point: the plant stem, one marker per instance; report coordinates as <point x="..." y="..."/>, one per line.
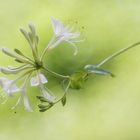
<point x="55" y="74"/>
<point x="117" y="54"/>
<point x="66" y="90"/>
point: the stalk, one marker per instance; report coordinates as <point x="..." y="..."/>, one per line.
<point x="55" y="74"/>
<point x="117" y="54"/>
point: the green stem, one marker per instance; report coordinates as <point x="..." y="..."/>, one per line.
<point x="66" y="90"/>
<point x="55" y="74"/>
<point x="116" y="54"/>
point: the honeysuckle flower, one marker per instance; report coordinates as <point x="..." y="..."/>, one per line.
<point x="47" y="94"/>
<point x="34" y="64"/>
<point x="8" y="86"/>
<point x="23" y="96"/>
<point x="39" y="80"/>
<point x="11" y="70"/>
<point x="29" y="66"/>
<point x="62" y="34"/>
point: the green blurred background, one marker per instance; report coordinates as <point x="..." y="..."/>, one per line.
<point x="106" y="108"/>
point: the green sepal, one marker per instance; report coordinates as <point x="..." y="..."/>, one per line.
<point x="41" y="98"/>
<point x="63" y="100"/>
<point x="93" y="69"/>
<point x="44" y="108"/>
<point x="41" y="106"/>
<point x="18" y="52"/>
<point x="77" y="79"/>
<point x="18" y="61"/>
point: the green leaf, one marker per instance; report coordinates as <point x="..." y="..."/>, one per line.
<point x="63" y="101"/>
<point x="93" y="69"/>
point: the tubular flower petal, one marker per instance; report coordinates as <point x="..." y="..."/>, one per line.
<point x="38" y="79"/>
<point x="62" y="33"/>
<point x="8" y="86"/>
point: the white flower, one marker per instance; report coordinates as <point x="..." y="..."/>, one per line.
<point x="11" y="70"/>
<point x="23" y="97"/>
<point x="46" y="93"/>
<point x="8" y="86"/>
<point x="62" y="33"/>
<point x="40" y="80"/>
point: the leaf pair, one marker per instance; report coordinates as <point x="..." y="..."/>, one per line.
<point x="93" y="69"/>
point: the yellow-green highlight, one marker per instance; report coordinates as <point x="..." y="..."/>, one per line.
<point x="106" y="108"/>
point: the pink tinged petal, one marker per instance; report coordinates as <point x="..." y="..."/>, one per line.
<point x="38" y="79"/>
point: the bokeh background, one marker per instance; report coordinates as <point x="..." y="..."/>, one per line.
<point x="105" y="108"/>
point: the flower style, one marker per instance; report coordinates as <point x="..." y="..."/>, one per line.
<point x="33" y="66"/>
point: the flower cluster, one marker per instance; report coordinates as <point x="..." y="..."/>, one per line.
<point x="30" y="67"/>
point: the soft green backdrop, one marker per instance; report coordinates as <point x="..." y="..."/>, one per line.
<point x="106" y="108"/>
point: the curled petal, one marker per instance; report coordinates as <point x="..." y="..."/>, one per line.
<point x="62" y="33"/>
<point x="74" y="46"/>
<point x="12" y="71"/>
<point x="38" y="79"/>
<point x="8" y="86"/>
<point x="46" y="93"/>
